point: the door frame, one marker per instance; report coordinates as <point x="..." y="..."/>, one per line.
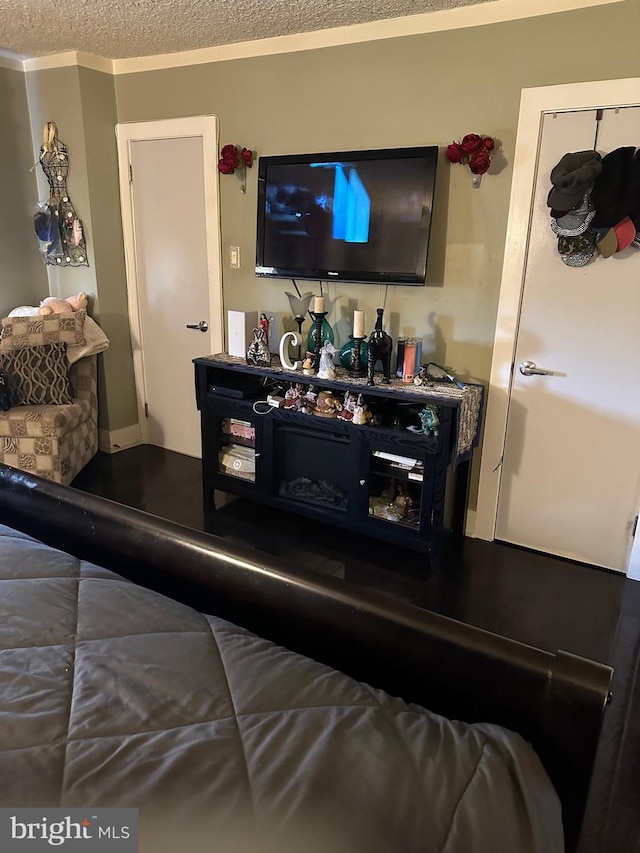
<point x="206" y="127"/>
<point x="534" y="103"/>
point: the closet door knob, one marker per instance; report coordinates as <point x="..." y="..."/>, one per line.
<point x="202" y="326"/>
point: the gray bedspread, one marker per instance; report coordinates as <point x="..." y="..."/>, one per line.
<point x="113" y="695"/>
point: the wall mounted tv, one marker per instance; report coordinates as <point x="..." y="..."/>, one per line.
<point x="362" y="216"/>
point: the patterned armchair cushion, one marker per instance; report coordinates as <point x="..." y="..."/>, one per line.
<point x="43" y="421"/>
<point x="30" y="331"/>
<point x="45" y="449"/>
<point x="83" y="375"/>
<point x="37" y="375"/>
<point x="54" y="442"/>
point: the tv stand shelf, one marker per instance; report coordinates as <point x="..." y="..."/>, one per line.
<point x="380" y="479"/>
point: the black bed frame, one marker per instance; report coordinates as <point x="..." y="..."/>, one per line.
<point x="555" y="700"/>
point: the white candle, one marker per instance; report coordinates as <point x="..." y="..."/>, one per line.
<point x="318" y="304"/>
<point x="358" y="324"/>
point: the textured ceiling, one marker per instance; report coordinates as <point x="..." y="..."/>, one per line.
<point x="118" y="29"/>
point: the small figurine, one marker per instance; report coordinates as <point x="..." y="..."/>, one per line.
<point x="327" y="369"/>
<point x="308" y="401"/>
<point x="327" y="405"/>
<point x="307" y="364"/>
<point x="258" y="352"/>
<point x="292" y="397"/>
<point x="429" y="419"/>
<point x="422" y="379"/>
<point x="348" y="407"/>
<point x="263" y="322"/>
<point x="361" y="415"/>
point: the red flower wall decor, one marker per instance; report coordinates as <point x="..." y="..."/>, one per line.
<point x="234" y="158"/>
<point x="473" y="150"/>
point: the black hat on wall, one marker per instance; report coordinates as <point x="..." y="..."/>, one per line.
<point x="572" y="177"/>
<point x="616" y="192"/>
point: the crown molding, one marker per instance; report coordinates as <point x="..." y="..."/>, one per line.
<point x="11" y="61"/>
<point x="462" y="17"/>
<point x="69" y="58"/>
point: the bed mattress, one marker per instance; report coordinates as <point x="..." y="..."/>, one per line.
<point x="114" y="695"/>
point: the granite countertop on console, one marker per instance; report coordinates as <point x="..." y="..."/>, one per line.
<point x="468" y="401"/>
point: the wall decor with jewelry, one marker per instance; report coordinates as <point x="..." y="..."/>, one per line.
<point x="60" y="233"/>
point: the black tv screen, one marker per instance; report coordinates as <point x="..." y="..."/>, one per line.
<point x="346" y="216"/>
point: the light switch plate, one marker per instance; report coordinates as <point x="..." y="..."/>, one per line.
<point x="234" y="257"/>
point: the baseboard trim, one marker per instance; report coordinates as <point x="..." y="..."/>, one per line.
<point x="112" y="441"/>
<point x="470" y="523"/>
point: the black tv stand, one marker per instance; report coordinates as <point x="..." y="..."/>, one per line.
<point x="381" y="479"/>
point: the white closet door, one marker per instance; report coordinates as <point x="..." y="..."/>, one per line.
<point x="570" y="482"/>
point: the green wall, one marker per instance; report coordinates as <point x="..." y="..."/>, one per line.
<point x="23" y="279"/>
<point x="417" y="90"/>
<point x="54" y="95"/>
<point x="111" y="308"/>
<point x="82" y="103"/>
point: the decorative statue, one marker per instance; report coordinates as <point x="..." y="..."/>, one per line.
<point x="380" y="348"/>
<point x="292" y="397"/>
<point x="327" y="405"/>
<point x="308" y="401"/>
<point x="429" y="419"/>
<point x="258" y="353"/>
<point x="361" y="414"/>
<point x="307" y="364"/>
<point x="348" y="409"/>
<point x="422" y="379"/>
<point x="264" y="325"/>
<point x="327" y="369"/>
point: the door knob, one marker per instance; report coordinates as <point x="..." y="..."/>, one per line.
<point x="202" y="326"/>
<point x="529" y="368"/>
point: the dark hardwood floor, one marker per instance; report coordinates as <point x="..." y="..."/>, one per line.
<point x="531" y="597"/>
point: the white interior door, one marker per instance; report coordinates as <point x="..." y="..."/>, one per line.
<point x="570" y="481"/>
<point x="168" y="185"/>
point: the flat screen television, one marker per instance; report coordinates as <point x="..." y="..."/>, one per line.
<point x="360" y="216"/>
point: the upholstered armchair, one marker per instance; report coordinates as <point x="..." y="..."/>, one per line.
<point x="55" y="441"/>
<point x="48" y="365"/>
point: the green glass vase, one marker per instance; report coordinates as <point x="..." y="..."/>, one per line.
<point x="345" y="354"/>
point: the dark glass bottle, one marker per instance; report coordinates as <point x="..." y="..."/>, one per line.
<point x="380" y="349"/>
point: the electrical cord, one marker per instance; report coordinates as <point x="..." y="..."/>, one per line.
<point x="273" y="389"/>
<point x="262" y="403"/>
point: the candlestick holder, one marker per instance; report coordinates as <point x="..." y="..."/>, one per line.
<point x="356" y="369"/>
<point x="316" y="335"/>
